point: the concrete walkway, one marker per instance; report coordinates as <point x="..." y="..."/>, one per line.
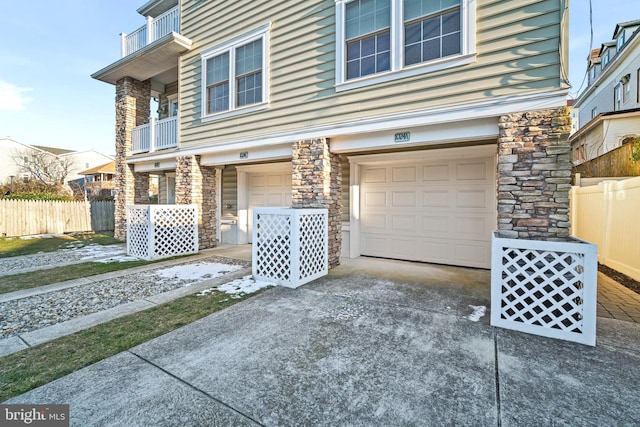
<point x="616" y="301"/>
<point x="374" y="343"/>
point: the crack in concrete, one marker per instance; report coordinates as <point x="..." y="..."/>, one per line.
<point x="197" y="389"/>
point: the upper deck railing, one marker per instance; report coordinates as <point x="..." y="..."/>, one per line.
<point x="154" y="29"/>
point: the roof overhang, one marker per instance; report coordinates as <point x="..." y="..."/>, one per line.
<point x="603" y="118"/>
<point x="152" y="60"/>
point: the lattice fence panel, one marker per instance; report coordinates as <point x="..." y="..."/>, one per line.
<point x="545" y="288"/>
<point x="138" y="226"/>
<point x="160" y="231"/>
<point x="290" y="246"/>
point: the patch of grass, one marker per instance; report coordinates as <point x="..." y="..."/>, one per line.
<point x="33" y="367"/>
<point x="14" y="246"/>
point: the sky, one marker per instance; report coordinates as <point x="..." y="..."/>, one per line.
<point x="51" y="48"/>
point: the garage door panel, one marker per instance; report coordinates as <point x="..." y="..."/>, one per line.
<point x="436" y="250"/>
<point x="404" y="174"/>
<point x="440" y="212"/>
<point x="374" y="222"/>
<point x="437" y="172"/>
<point x="435" y="225"/>
<point x="403" y="199"/>
<point x="403" y="223"/>
<point x="475" y="198"/>
<point x="375" y="199"/>
<point x="374" y="175"/>
<point x="472" y="255"/>
<point x="436" y="198"/>
<point x="471" y="171"/>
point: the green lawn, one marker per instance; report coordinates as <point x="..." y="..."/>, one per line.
<point x="14" y="246"/>
<point x="33" y="367"/>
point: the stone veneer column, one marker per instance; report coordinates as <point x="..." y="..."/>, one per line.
<point x="317" y="184"/>
<point x="196" y="185"/>
<point x="133" y="99"/>
<point x="534" y="174"/>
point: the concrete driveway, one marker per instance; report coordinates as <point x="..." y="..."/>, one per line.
<point x="374" y="343"/>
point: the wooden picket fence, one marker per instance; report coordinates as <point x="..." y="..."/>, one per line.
<point x="28" y="217"/>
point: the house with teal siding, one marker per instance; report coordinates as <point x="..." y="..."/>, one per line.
<point x="421" y="125"/>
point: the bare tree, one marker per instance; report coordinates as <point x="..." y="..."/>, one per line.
<point x="43" y="166"/>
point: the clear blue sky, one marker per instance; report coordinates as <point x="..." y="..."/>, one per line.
<point x="50" y="49"/>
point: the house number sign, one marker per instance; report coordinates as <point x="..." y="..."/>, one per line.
<point x="402" y="137"/>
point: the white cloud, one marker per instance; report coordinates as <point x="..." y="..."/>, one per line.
<point x="12" y="97"/>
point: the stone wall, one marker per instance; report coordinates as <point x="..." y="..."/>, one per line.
<point x="196" y="185"/>
<point x="534" y="174"/>
<point x="316" y="183"/>
<point x="132" y="109"/>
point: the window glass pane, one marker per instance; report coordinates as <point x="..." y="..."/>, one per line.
<point x="249" y="58"/>
<point x="218" y="69"/>
<point x="218" y="98"/>
<point x="413" y="33"/>
<point x="431" y="28"/>
<point x="431" y="50"/>
<point x="440" y="32"/>
<point x="417" y="8"/>
<point x="451" y="22"/>
<point x="368" y="55"/>
<point x="451" y="44"/>
<point x="367" y="16"/>
<point x="353" y="50"/>
<point x="249" y="89"/>
<point x="413" y="54"/>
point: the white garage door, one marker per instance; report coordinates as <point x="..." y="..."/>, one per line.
<point x="434" y="211"/>
<point x="268" y="189"/>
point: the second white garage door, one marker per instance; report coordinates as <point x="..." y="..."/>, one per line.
<point x="440" y="211"/>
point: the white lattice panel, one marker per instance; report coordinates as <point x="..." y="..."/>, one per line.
<point x="545" y="288"/>
<point x="290" y="246"/>
<point x="160" y="231"/>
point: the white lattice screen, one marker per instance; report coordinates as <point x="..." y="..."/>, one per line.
<point x="545" y="288"/>
<point x="290" y="246"/>
<point x="160" y="231"/>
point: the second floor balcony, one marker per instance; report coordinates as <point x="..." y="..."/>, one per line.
<point x="152" y="51"/>
<point x="155" y="135"/>
<point x="154" y="29"/>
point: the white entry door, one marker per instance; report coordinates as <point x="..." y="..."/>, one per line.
<point x="440" y="211"/>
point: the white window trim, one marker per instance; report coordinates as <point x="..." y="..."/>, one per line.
<point x="398" y="70"/>
<point x="261" y="32"/>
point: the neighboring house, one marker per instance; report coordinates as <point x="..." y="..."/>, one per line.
<point x="421" y="125"/>
<point x="99" y="181"/>
<point x="609" y="107"/>
<point x="75" y="160"/>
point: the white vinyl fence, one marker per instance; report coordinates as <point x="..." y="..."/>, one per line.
<point x="608" y="215"/>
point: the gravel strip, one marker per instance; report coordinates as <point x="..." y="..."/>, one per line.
<point x="38" y="311"/>
<point x="65" y="256"/>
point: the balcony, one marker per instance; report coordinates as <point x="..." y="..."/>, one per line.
<point x="154" y="136"/>
<point x="155" y="29"/>
<point x="150" y="52"/>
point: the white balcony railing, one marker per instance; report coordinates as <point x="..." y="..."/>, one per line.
<point x="156" y="135"/>
<point x="154" y="29"/>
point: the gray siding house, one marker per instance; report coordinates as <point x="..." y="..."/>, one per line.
<point x="421" y="125"/>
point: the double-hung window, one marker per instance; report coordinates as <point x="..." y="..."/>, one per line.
<point x="235" y="75"/>
<point x="383" y="40"/>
